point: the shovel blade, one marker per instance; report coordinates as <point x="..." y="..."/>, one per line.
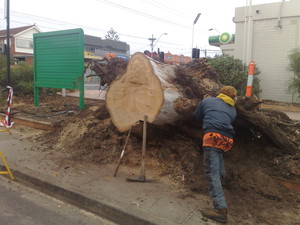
<point x="139" y="179"/>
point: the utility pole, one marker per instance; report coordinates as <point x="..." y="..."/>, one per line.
<point x="152" y="41"/>
<point x="7" y="50"/>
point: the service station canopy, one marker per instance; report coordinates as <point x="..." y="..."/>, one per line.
<point x="59" y="61"/>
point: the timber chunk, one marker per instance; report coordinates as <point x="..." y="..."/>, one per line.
<point x="136" y="93"/>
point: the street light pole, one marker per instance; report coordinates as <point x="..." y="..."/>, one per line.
<point x="214" y="29"/>
<point x="159" y="38"/>
<point x="7" y="50"/>
<point x="195" y="21"/>
<point x="152" y="40"/>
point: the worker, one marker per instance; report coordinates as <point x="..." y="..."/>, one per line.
<point x="216" y="115"/>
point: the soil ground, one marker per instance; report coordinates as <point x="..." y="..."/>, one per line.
<point x="257" y="171"/>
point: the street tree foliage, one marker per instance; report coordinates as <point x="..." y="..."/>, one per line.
<point x="234" y="72"/>
<point x="294" y="66"/>
<point x="112" y="35"/>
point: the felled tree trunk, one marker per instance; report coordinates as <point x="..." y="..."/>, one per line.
<point x="156" y="90"/>
<point x="169" y="94"/>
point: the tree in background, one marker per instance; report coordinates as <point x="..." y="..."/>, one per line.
<point x="233" y="72"/>
<point x="294" y="66"/>
<point x="112" y="35"/>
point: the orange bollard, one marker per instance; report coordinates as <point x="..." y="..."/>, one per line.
<point x="250" y="79"/>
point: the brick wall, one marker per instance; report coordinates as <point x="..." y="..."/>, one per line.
<point x="29" y="60"/>
<point x="28" y="57"/>
<point x="176" y="59"/>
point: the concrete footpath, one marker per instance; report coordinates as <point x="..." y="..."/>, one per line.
<point x="94" y="188"/>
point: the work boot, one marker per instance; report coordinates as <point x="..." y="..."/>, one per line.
<point x="219" y="215"/>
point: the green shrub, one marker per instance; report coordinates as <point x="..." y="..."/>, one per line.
<point x="294" y="66"/>
<point x="233" y="72"/>
<point x="21" y="79"/>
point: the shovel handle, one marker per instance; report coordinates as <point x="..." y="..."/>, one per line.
<point x="144" y="146"/>
<point x="122" y="153"/>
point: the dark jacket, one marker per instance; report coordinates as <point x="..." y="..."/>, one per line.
<point x="216" y="116"/>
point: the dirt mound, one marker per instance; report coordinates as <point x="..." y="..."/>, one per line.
<point x="258" y="173"/>
<point x="254" y="193"/>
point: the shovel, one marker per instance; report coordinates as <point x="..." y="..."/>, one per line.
<point x="142" y="177"/>
<point x="122" y="153"/>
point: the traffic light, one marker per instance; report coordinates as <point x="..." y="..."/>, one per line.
<point x="194" y="50"/>
<point x="162" y="56"/>
<point x="195" y="53"/>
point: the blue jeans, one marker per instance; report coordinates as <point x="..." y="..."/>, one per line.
<point x="214" y="169"/>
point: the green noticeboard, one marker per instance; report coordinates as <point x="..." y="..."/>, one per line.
<point x="59" y="61"/>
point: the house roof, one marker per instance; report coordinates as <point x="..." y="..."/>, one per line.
<point x="97" y="41"/>
<point x="15" y="31"/>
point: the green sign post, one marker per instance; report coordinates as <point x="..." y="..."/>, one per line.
<point x="59" y="61"/>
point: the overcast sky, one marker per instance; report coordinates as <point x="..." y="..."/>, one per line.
<point x="134" y="20"/>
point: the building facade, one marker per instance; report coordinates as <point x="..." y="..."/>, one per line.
<point x="168" y="58"/>
<point x="96" y="46"/>
<point x="21" y="43"/>
<point x="176" y="59"/>
<point x="266" y="34"/>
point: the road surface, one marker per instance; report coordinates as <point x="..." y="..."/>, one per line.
<point x="91" y="86"/>
<point x="20" y="205"/>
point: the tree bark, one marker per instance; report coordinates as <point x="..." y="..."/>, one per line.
<point x="277" y="126"/>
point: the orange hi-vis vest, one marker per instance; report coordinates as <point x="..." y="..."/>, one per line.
<point x="216" y="140"/>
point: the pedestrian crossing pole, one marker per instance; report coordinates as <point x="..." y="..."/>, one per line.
<point x="250" y="79"/>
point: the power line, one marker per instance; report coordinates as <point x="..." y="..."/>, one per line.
<point x="136" y="50"/>
<point x="169" y="9"/>
<point x="52" y="28"/>
<point x="30" y="16"/>
<point x="54" y="22"/>
<point x="48" y="20"/>
<point x="35" y="19"/>
<point x="143" y="14"/>
<point x="164" y="7"/>
<point x="59" y="23"/>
